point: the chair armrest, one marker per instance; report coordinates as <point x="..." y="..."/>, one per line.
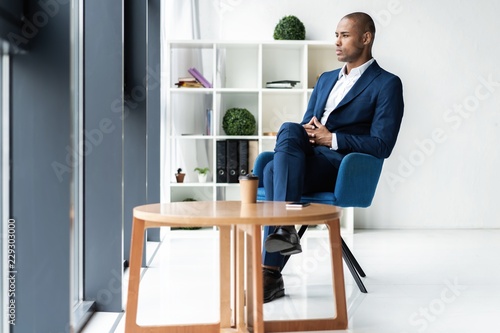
<point x="357" y="180"/>
<point x="260" y="162"/>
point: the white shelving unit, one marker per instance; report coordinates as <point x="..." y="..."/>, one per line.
<point x="238" y="72"/>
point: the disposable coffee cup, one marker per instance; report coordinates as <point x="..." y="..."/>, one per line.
<point x="248" y="188"/>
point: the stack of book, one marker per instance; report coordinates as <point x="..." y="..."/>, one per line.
<point x="284" y="84"/>
<point x="188" y="82"/>
<point x="197" y="80"/>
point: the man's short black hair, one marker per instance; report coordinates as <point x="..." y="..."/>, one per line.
<point x="365" y="21"/>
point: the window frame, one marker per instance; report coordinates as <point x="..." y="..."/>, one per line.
<point x="4" y="183"/>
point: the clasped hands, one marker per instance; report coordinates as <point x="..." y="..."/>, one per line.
<point x="318" y="134"/>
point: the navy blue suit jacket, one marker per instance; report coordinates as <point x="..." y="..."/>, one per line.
<point x="368" y="118"/>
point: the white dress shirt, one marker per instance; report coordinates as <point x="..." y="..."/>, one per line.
<point x="344" y="83"/>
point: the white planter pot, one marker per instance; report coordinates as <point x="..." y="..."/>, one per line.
<point x="202" y="178"/>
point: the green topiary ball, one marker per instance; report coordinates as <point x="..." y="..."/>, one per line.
<point x="238" y="121"/>
<point x="290" y="28"/>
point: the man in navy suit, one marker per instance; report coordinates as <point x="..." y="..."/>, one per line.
<point x="357" y="108"/>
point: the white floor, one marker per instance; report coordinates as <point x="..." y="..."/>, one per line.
<point x="433" y="281"/>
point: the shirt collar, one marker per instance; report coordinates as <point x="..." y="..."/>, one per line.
<point x="356" y="72"/>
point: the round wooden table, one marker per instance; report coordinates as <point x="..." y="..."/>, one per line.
<point x="245" y="220"/>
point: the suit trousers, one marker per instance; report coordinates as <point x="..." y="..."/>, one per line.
<point x="297" y="168"/>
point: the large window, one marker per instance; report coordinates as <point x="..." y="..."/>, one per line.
<point x="80" y="308"/>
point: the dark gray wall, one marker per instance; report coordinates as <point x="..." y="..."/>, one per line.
<point x="103" y="200"/>
<point x="41" y="156"/>
<point x="135" y="118"/>
<point x="133" y="111"/>
<point x="142" y="120"/>
<point x="40" y="191"/>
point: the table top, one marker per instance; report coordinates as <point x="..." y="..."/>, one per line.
<point x="209" y="213"/>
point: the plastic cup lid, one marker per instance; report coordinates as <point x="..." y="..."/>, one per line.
<point x="249" y="176"/>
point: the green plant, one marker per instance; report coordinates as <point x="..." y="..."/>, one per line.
<point x="290" y="28"/>
<point x="238" y="121"/>
<point x="179" y="171"/>
<point x="202" y="171"/>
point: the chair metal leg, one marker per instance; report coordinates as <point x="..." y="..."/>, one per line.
<point x="348" y="259"/>
<point x="353" y="260"/>
<point x="302" y="230"/>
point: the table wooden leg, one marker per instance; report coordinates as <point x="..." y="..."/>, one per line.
<point x="258" y="295"/>
<point x="240" y="279"/>
<point x="225" y="275"/>
<point x="338" y="273"/>
<point x="339" y="322"/>
<point x="136" y="249"/>
<point x="131" y="326"/>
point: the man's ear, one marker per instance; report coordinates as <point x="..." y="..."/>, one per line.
<point x="367" y="37"/>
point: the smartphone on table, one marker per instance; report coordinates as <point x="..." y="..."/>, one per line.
<point x="297" y="205"/>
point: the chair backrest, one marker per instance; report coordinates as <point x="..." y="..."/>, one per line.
<point x="356" y="182"/>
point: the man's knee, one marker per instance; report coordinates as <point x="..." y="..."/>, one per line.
<point x="291" y="128"/>
<point x="268" y="180"/>
<point x="268" y="171"/>
<point x="291" y="132"/>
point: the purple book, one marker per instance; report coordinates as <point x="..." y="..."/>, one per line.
<point x="197" y="75"/>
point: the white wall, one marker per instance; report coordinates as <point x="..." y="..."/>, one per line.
<point x="443" y="171"/>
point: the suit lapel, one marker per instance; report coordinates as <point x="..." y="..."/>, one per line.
<point x="371" y="73"/>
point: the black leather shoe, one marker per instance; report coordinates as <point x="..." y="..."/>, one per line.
<point x="284" y="240"/>
<point x="273" y="284"/>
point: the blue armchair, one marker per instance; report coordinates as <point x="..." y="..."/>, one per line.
<point x="355" y="187"/>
